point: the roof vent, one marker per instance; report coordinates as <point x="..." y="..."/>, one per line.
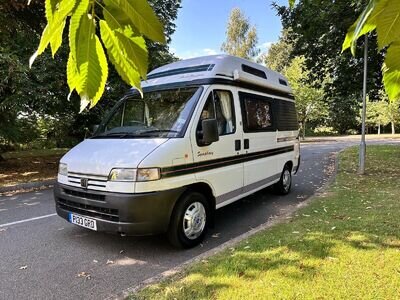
<point x="283" y="82"/>
<point x="254" y="71"/>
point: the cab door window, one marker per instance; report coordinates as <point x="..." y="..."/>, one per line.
<point x="219" y="105"/>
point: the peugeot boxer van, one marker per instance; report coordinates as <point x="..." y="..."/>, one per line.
<point x="208" y="131"/>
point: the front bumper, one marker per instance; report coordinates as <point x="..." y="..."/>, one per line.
<point x="131" y="214"/>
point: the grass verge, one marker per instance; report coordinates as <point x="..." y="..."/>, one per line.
<point x="29" y="166"/>
<point x="344" y="245"/>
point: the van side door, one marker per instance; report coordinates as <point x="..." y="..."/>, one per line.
<point x="259" y="139"/>
<point x="219" y="164"/>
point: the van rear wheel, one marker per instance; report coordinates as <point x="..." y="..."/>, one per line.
<point x="284" y="184"/>
<point x="189" y="221"/>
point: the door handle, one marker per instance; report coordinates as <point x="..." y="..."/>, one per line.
<point x="238" y="145"/>
<point x="246" y="144"/>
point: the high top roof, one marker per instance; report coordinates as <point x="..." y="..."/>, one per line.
<point x="217" y="67"/>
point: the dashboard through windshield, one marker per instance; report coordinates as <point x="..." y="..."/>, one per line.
<point x="164" y="114"/>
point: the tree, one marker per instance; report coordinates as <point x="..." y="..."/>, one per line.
<point x="28" y="97"/>
<point x="376" y="114"/>
<point x="241" y="37"/>
<point x="280" y="53"/>
<point x="382" y="16"/>
<point x="309" y="100"/>
<point x="318" y="28"/>
<point x="122" y="24"/>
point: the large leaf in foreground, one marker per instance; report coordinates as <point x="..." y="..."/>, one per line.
<point x="388" y="22"/>
<point x="118" y="54"/>
<point x="391" y="75"/>
<point x="143" y="18"/>
<point x="53" y="28"/>
<point x="91" y="63"/>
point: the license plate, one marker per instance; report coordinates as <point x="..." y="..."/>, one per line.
<point x="82" y="221"/>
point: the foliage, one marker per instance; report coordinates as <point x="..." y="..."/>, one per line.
<point x="121" y="28"/>
<point x="39" y="93"/>
<point x="382" y="16"/>
<point x="241" y="37"/>
<point x="280" y="53"/>
<point x="383" y="112"/>
<point x="317" y="34"/>
<point x="309" y="100"/>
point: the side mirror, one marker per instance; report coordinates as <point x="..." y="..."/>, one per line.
<point x="210" y="131"/>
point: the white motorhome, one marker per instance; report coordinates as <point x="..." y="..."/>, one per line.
<point x="207" y="132"/>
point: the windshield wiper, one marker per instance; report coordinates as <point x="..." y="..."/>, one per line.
<point x="160" y="130"/>
<point x="120" y="135"/>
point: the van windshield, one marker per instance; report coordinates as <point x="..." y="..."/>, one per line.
<point x="158" y="114"/>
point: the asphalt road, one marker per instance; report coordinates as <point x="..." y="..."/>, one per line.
<point x="44" y="257"/>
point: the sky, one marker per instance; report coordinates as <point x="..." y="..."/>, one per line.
<point x="201" y="25"/>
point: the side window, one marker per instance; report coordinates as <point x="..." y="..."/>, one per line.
<point x="257" y="113"/>
<point x="219" y="105"/>
<point x="225" y="111"/>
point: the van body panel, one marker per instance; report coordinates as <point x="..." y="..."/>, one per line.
<point x="99" y="156"/>
<point x="209" y="156"/>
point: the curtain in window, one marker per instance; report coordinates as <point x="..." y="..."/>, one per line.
<point x="226" y="108"/>
<point x="146" y="114"/>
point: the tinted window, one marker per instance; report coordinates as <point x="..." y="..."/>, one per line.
<point x="286" y="115"/>
<point x="257" y="113"/>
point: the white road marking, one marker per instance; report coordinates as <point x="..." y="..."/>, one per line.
<point x="27" y="220"/>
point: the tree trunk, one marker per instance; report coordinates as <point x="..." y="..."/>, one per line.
<point x="393" y="131"/>
<point x="379" y="128"/>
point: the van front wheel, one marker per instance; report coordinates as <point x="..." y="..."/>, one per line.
<point x="284" y="184"/>
<point x="189" y="220"/>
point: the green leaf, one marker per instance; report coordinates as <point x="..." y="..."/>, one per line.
<point x="291" y="3"/>
<point x="141" y="16"/>
<point x="56" y="41"/>
<point x="136" y="50"/>
<point x="72" y="74"/>
<point x="74" y="23"/>
<point x="388" y="23"/>
<point x="50" y="7"/>
<point x="118" y="54"/>
<point x="365" y="23"/>
<point x="117" y="18"/>
<point x="91" y="63"/>
<point x="52" y="30"/>
<point x="391" y="71"/>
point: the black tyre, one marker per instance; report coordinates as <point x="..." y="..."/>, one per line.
<point x="189" y="220"/>
<point x="282" y="187"/>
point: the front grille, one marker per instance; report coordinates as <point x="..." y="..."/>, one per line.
<point x="104" y="213"/>
<point x="96" y="182"/>
<point x="86" y="195"/>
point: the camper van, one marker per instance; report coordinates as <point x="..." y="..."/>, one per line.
<point x="206" y="132"/>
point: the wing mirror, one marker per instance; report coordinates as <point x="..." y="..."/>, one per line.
<point x="210" y="131"/>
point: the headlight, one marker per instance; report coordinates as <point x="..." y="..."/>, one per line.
<point x="134" y="174"/>
<point x="63" y="169"/>
<point x="148" y="174"/>
<point x="122" y="175"/>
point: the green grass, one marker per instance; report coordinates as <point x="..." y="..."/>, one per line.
<point x="34" y="153"/>
<point x="344" y="245"/>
